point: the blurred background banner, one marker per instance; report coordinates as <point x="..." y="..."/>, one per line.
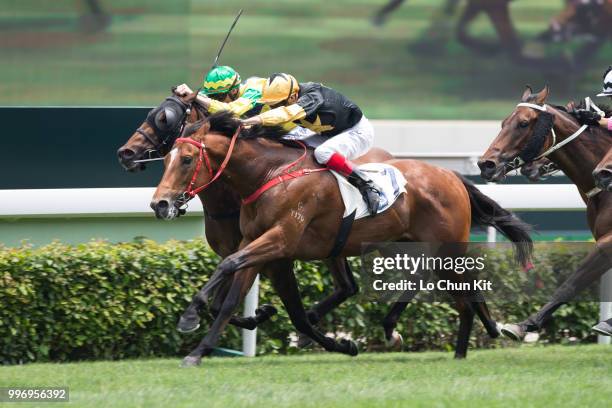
<point x="413" y="59"/>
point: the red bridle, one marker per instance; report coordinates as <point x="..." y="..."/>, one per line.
<point x="203" y="157"/>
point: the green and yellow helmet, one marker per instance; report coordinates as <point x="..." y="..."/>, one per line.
<point x="221" y="79"/>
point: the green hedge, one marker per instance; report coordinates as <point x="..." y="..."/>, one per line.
<point x="109" y="301"/>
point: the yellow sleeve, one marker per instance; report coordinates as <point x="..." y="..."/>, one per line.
<point x="238" y="107"/>
<point x="283" y="114"/>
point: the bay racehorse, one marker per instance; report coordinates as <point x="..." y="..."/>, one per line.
<point x="534" y="130"/>
<point x="292" y="209"/>
<point x="221" y="204"/>
<point x="603" y="172"/>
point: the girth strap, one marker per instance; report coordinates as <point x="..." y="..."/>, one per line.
<point x="343" y="233"/>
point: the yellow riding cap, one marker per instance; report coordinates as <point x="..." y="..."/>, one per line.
<point x="279" y="87"/>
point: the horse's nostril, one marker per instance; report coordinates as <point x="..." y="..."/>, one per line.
<point x="162" y="205"/>
<point x="126" y="154"/>
<point x="486" y="165"/>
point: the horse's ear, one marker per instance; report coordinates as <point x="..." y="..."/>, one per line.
<point x="204" y="129"/>
<point x="542" y="95"/>
<point x="527" y="93"/>
<point x="571" y="106"/>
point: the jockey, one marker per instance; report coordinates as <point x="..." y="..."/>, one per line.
<point x="327" y="112"/>
<point x="222" y="89"/>
<point x="586" y="117"/>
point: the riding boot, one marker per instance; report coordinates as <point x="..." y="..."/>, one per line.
<point x="368" y="189"/>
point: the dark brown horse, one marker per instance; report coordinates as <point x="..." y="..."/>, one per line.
<point x="603" y="172"/>
<point x="299" y="218"/>
<point x="533" y="130"/>
<point x="221" y="204"/>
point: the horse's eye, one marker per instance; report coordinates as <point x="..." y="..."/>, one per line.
<point x="186" y="160"/>
<point x="524" y="123"/>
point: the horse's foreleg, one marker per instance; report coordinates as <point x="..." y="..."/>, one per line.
<point x="241" y="283"/>
<point x="597" y="262"/>
<point x="190" y="320"/>
<point x="270" y="246"/>
<point x="286" y="286"/>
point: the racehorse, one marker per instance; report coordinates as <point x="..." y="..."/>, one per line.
<point x="221" y="204"/>
<point x="534" y="130"/>
<point x="299" y="218"/>
<point x="603" y="172"/>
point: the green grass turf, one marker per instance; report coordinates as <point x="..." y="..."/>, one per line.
<point x="154" y="44"/>
<point x="556" y="376"/>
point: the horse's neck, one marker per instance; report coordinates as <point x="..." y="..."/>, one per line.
<point x="219" y="198"/>
<point x="256" y="161"/>
<point x="578" y="158"/>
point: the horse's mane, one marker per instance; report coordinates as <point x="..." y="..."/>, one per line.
<point x="225" y="123"/>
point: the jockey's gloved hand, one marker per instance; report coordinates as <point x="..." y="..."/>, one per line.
<point x="182" y="90"/>
<point x="587" y="117"/>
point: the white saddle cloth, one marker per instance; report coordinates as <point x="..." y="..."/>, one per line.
<point x="386" y="177"/>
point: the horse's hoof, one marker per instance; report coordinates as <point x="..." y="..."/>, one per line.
<point x="459" y="356"/>
<point x="266" y="310"/>
<point x="190" y="361"/>
<point x="349" y="347"/>
<point x="303" y="341"/>
<point x="603" y="328"/>
<point x="396" y="342"/>
<point x="188" y="325"/>
<point x="513" y="331"/>
<point x="498" y="328"/>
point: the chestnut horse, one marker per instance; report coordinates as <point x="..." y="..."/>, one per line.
<point x="603" y="172"/>
<point x="534" y="130"/>
<point x="299" y="218"/>
<point x="221" y="204"/>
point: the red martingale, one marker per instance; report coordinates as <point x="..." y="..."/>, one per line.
<point x="286" y="175"/>
<point x="203" y="158"/>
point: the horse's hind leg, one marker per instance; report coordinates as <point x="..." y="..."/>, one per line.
<point x="285" y="284"/>
<point x="466" y="321"/>
<point x="344" y="287"/>
<point x="479" y="305"/>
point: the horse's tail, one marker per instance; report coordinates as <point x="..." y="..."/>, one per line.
<point x="485" y="211"/>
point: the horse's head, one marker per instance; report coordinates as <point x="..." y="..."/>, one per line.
<point x="196" y="160"/>
<point x="523" y="137"/>
<point x="155" y="136"/>
<point x="603" y="172"/>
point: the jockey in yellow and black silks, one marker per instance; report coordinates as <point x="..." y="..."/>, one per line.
<point x="326" y="112"/>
